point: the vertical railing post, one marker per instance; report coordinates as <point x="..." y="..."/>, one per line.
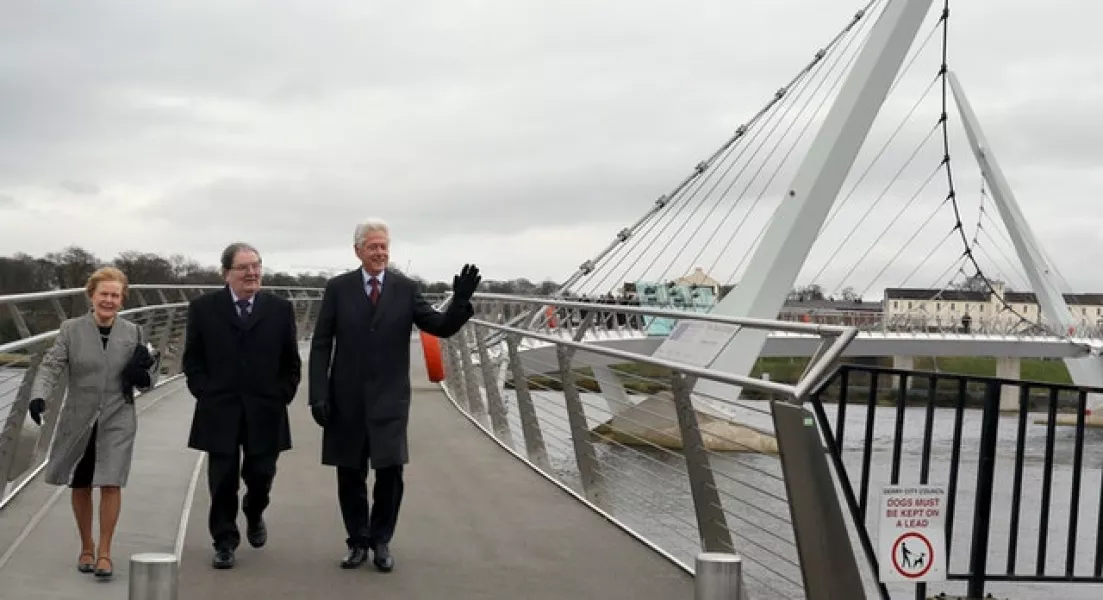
<point x="712" y="523"/>
<point x="58" y="310"/>
<point x="303" y="306"/>
<point x="718" y="576"/>
<point x="53" y="410"/>
<point x="530" y="423"/>
<point x="153" y="576"/>
<point x="455" y="373"/>
<point x="461" y="377"/>
<point x="160" y="334"/>
<point x="460" y="389"/>
<point x="177" y="339"/>
<point x="20" y="322"/>
<point x="982" y="508"/>
<point x="11" y="432"/>
<point x="827" y="562"/>
<point x="471" y="384"/>
<point x="449" y="365"/>
<point x="580" y="430"/>
<point x="490" y="383"/>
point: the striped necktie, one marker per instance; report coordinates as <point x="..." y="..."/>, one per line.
<point x="243" y="309"/>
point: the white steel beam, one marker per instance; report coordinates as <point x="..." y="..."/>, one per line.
<point x="1086" y="371"/>
<point x="785" y="245"/>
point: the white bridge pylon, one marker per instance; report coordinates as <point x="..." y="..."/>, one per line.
<point x="778" y="259"/>
<point x="788" y="239"/>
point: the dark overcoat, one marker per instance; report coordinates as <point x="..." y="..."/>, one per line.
<point x="241" y="369"/>
<point x="360" y="365"/>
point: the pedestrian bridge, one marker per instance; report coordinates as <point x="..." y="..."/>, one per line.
<point x="475" y="522"/>
<point x="531" y="480"/>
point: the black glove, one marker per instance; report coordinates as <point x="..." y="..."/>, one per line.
<point x="464" y="284"/>
<point x="36" y="408"/>
<point x="320" y="412"/>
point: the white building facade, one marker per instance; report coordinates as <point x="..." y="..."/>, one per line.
<point x="1002" y="311"/>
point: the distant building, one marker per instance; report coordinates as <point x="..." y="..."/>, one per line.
<point x="699" y="279"/>
<point x="941" y="308"/>
<point x="701" y="290"/>
<point x="826" y="305"/>
<point x="697" y="287"/>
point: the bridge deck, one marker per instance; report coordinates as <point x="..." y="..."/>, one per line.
<point x="38" y="539"/>
<point x="475" y="523"/>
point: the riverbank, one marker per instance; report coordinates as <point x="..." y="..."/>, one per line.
<point x="645" y="379"/>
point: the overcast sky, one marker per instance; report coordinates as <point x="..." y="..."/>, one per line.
<point x="517" y="135"/>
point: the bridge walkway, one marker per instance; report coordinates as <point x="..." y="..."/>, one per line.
<point x="475" y="523"/>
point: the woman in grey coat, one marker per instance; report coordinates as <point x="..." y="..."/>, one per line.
<point x="94" y="439"/>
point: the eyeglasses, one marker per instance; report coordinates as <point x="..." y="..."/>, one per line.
<point x="247" y="267"/>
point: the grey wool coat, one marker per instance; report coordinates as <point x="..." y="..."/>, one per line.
<point x="95" y="395"/>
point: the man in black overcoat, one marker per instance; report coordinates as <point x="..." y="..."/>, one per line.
<point x="360" y="390"/>
<point x="241" y="360"/>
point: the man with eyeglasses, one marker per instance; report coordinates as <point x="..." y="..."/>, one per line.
<point x="241" y="360"/>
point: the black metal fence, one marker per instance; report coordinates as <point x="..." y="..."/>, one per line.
<point x="1025" y="485"/>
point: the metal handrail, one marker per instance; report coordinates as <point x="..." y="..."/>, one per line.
<point x="167" y="335"/>
<point x="754" y="323"/>
<point x="67" y="292"/>
<point x="837" y="337"/>
<point x="28" y="342"/>
<point x="797" y="392"/>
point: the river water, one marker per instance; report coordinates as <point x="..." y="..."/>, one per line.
<point x="647" y="490"/>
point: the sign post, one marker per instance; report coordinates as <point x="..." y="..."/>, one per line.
<point x="912" y="536"/>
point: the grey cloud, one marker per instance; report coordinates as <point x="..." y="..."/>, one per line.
<point x="286" y="124"/>
<point x="80" y="187"/>
<point x="8" y="201"/>
<point x="296" y="213"/>
<point x="1035" y="140"/>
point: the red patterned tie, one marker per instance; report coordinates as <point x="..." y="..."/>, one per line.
<point x="374" y="294"/>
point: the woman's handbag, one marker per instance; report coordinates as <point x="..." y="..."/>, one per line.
<point x="136" y="374"/>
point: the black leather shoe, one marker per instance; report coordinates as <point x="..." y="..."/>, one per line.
<point x="383" y="559"/>
<point x="223" y="558"/>
<point x="257" y="533"/>
<point x="355" y="557"/>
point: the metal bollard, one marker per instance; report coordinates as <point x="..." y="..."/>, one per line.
<point x="719" y="576"/>
<point x="153" y="576"/>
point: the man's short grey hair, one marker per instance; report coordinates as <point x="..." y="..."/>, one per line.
<point x="369" y="226"/>
<point x="231" y="251"/>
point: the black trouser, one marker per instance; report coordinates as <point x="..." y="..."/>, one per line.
<point x="223" y="473"/>
<point x="352" y="494"/>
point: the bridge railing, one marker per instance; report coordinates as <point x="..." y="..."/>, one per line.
<point x="1024" y="486"/>
<point x="547" y="315"/>
<point x="24" y="315"/>
<point x="682" y="470"/>
<point x="33" y="320"/>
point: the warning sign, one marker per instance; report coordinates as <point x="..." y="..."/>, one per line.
<point x="912" y="537"/>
